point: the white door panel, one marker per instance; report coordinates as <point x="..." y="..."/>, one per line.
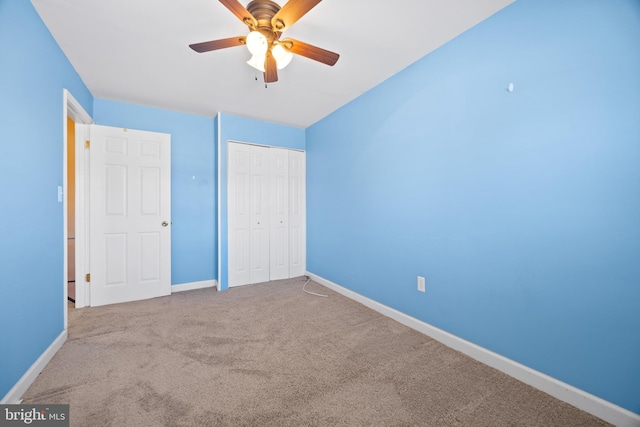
<point x="280" y="215"/>
<point x="130" y="200"/>
<point x="259" y="207"/>
<point x="297" y="214"/>
<point x="239" y="197"/>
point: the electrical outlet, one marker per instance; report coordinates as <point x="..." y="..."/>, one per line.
<point x="421" y="285"/>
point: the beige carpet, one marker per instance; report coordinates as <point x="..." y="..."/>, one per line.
<point x="271" y="355"/>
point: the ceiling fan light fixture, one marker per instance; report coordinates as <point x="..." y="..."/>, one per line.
<point x="281" y="55"/>
<point x="257" y="62"/>
<point x="257" y="43"/>
<point x="266" y="21"/>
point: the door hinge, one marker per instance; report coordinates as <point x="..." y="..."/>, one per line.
<point x="87" y="144"/>
<point x="87" y="277"/>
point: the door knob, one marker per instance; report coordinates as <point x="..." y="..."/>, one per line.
<point x="165" y="223"/>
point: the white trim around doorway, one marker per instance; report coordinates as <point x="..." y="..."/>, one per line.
<point x="72" y="108"/>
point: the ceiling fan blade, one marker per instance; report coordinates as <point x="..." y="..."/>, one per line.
<point x="218" y="44"/>
<point x="270" y="69"/>
<point x="291" y="12"/>
<point x="310" y="51"/>
<point x="240" y="11"/>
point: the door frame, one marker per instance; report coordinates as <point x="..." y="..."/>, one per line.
<point x="72" y="108"/>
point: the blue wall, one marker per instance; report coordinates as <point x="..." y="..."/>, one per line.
<point x="241" y="129"/>
<point x="33" y="73"/>
<point x="193" y="182"/>
<point x="522" y="209"/>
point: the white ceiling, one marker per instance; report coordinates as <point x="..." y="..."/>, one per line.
<point x="136" y="51"/>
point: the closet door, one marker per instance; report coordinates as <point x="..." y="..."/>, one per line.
<point x="267" y="210"/>
<point x="259" y="218"/>
<point x="297" y="214"/>
<point x="279" y="268"/>
<point x="239" y="199"/>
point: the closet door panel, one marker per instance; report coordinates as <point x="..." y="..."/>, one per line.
<point x="279" y="267"/>
<point x="297" y="214"/>
<point x="260" y="182"/>
<point x="239" y="201"/>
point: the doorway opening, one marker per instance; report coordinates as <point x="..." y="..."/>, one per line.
<point x="71" y="212"/>
<point x="75" y="118"/>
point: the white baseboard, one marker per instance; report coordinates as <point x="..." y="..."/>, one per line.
<point x="194" y="285"/>
<point x="14" y="396"/>
<point x="574" y="396"/>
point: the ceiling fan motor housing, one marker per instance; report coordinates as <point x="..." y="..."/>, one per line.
<point x="263" y="11"/>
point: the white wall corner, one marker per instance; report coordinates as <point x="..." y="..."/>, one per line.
<point x="14" y="396"/>
<point x="587" y="402"/>
<point x="194" y="285"/>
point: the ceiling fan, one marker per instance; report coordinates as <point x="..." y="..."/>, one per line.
<point x="266" y="21"/>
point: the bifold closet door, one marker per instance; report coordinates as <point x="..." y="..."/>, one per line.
<point x="297" y="214"/>
<point x="239" y="198"/>
<point x="266" y="206"/>
<point x="279" y="265"/>
<point x="249" y="171"/>
<point x="259" y="214"/>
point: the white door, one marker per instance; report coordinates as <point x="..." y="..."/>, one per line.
<point x="248" y="203"/>
<point x="297" y="214"/>
<point x="266" y="207"/>
<point x="239" y="199"/>
<point x="259" y="208"/>
<point x="130" y="215"/>
<point x="279" y="237"/>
